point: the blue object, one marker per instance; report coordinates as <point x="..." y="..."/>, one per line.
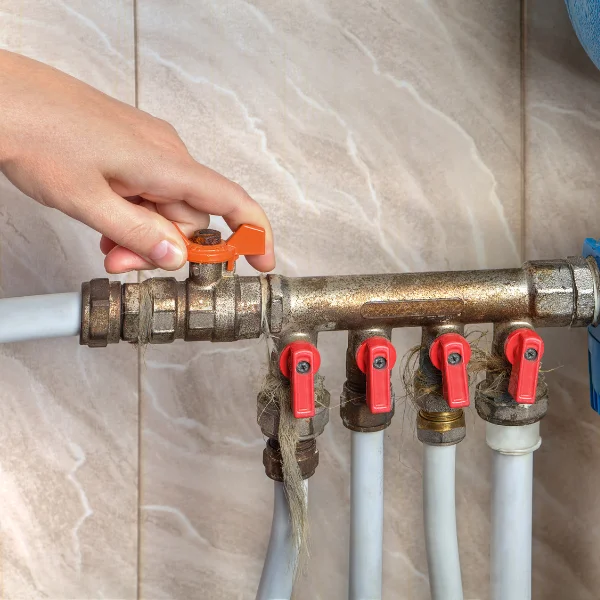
<point x="585" y="16"/>
<point x="591" y="247"/>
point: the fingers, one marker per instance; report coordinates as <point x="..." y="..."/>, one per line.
<point x="122" y="260"/>
<point x="188" y="219"/>
<point x="106" y="245"/>
<point x="143" y="232"/>
<point x="208" y="192"/>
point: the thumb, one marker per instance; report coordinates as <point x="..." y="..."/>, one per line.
<point x="144" y="232"/>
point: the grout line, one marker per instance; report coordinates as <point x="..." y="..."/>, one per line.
<point x="136" y="64"/>
<point x="523" y="115"/>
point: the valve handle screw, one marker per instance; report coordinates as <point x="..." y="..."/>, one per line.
<point x="454" y="359"/>
<point x="303" y="367"/>
<point x="380" y="362"/>
<point x="531" y="354"/>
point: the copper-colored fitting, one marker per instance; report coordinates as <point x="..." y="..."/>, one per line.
<point x="307" y="456"/>
<point x="441" y="428"/>
<point x="100" y="313"/>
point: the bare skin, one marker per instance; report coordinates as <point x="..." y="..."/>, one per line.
<point x="115" y="168"/>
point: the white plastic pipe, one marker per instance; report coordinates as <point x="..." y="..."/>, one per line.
<point x="37" y="317"/>
<point x="277" y="579"/>
<point x="439" y="514"/>
<point x="366" y="516"/>
<point x="512" y="503"/>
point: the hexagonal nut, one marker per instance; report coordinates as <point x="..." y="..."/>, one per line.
<point x="307" y="456"/>
<point x="356" y="415"/>
<point x="130" y="312"/>
<point x="200" y="317"/>
<point x="272" y="461"/>
<point x="100" y="313"/>
<point x="551" y="287"/>
<point x="206" y="274"/>
<point x="585" y="273"/>
<point x="268" y="417"/>
<point x="501" y="409"/>
<point x="442" y="438"/>
<point x="163" y="293"/>
<point x="432" y="402"/>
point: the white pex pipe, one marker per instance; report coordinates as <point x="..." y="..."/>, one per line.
<point x="512" y="504"/>
<point x="277" y="579"/>
<point x="37" y="317"/>
<point x="439" y="514"/>
<point x="366" y="516"/>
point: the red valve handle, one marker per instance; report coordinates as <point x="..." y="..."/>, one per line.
<point x="247" y="240"/>
<point x="299" y="362"/>
<point x="376" y="358"/>
<point x="524" y="349"/>
<point x="450" y="353"/>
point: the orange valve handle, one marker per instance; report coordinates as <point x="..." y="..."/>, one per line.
<point x="247" y="240"/>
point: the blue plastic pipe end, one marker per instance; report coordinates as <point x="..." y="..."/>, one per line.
<point x="591" y="247"/>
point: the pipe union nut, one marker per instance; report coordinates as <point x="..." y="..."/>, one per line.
<point x="553" y="292"/>
<point x="501" y="409"/>
<point x="200" y="317"/>
<point x="356" y="415"/>
<point x="100" y="313"/>
<point x="585" y="273"/>
<point x="153" y="311"/>
<point x="307" y="456"/>
<point x="268" y="417"/>
<point x="442" y="428"/>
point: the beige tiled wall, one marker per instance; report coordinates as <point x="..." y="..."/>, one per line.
<point x="379" y="137"/>
<point x="69" y="417"/>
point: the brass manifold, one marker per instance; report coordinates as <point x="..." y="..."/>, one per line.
<point x="216" y="305"/>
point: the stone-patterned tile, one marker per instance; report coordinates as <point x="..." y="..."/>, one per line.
<point x="68" y="441"/>
<point x="379" y="138"/>
<point x="563" y="146"/>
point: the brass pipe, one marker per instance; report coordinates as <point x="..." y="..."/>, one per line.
<point x="555" y="293"/>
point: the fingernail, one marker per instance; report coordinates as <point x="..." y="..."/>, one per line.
<point x="166" y="255"/>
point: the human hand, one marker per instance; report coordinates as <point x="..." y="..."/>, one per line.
<point x="113" y="167"/>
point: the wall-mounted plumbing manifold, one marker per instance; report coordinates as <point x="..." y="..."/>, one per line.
<point x="215" y="304"/>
